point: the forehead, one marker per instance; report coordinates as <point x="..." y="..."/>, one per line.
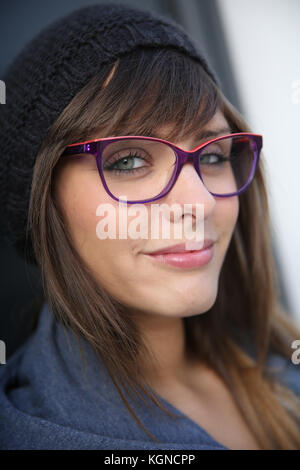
<point x="218" y="122"/>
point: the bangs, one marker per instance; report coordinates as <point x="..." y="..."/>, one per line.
<point x="151" y="88"/>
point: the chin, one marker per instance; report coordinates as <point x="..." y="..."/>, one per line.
<point x="187" y="309"/>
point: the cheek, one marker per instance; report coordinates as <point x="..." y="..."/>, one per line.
<point x="230" y="210"/>
<point x="79" y="198"/>
<point x="226" y="215"/>
<point x="81" y="207"/>
<point x="111" y="260"/>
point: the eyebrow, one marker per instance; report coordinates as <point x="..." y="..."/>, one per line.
<point x="206" y="134"/>
<point x="212" y="133"/>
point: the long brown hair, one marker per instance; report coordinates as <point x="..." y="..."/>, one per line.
<point x="151" y="87"/>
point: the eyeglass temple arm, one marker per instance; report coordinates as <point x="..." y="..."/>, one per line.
<point x="81" y="148"/>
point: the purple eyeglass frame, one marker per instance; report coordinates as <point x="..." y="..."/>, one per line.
<point x="95" y="147"/>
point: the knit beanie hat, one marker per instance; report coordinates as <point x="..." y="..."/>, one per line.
<point x="48" y="73"/>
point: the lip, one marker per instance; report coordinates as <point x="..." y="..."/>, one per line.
<point x="181" y="257"/>
<point x="184" y="247"/>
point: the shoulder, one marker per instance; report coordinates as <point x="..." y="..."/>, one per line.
<point x="280" y="367"/>
<point x="48" y="400"/>
<point x="286" y="371"/>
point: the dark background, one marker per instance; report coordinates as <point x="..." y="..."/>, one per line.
<point x="20" y="21"/>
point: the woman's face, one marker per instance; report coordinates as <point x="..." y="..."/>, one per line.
<point x="121" y="265"/>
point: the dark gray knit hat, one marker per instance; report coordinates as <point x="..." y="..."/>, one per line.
<point x="45" y="77"/>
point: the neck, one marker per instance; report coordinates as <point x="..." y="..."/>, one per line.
<point x="165" y="340"/>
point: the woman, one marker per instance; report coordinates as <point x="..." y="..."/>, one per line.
<point x="177" y="351"/>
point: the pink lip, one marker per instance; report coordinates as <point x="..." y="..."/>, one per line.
<point x="184" y="247"/>
<point x="180" y="257"/>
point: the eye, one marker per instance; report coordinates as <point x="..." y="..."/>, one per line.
<point x="213" y="159"/>
<point x="126" y="162"/>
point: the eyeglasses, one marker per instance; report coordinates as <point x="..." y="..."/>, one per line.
<point x="143" y="169"/>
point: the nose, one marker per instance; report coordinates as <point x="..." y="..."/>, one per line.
<point x="189" y="186"/>
<point x="189" y="189"/>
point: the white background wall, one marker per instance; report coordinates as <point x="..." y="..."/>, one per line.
<point x="263" y="37"/>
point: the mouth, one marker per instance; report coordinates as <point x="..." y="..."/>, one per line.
<point x="184" y="256"/>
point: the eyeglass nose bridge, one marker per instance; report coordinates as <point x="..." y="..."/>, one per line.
<point x="185" y="157"/>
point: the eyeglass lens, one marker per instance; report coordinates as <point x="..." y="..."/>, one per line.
<point x="140" y="169"/>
